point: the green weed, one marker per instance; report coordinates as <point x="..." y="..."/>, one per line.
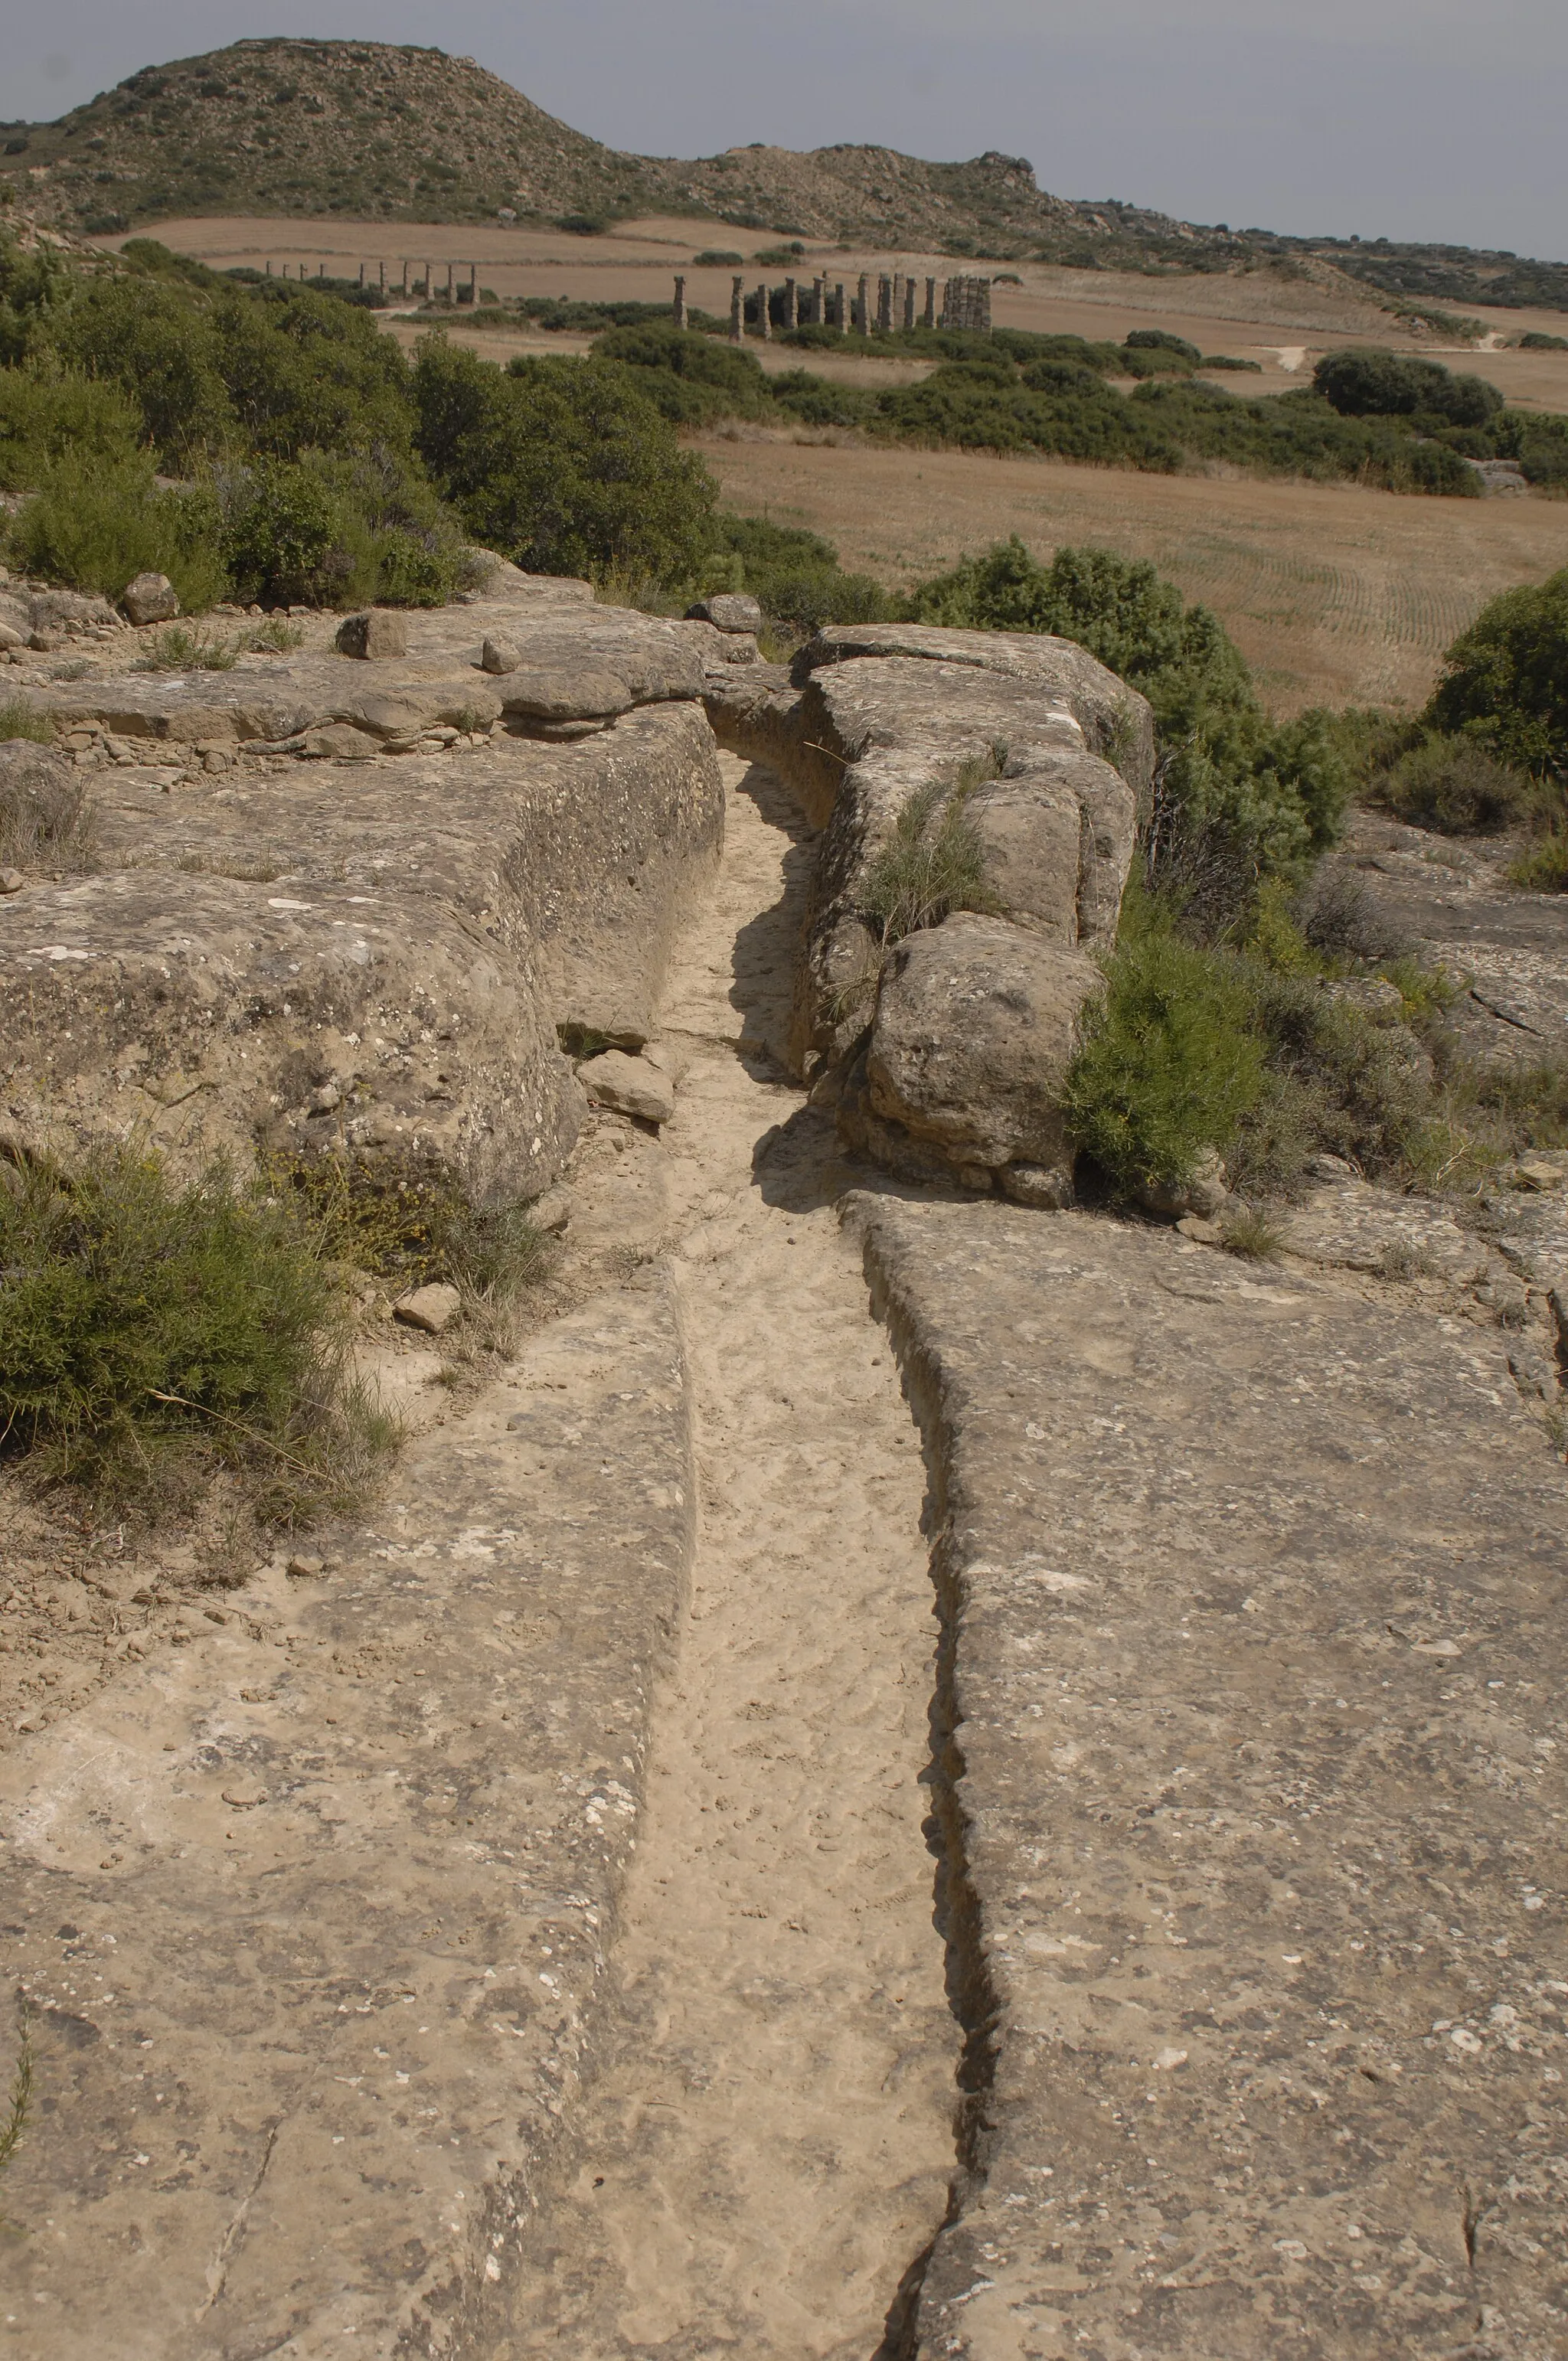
<point x="177" y="648"/>
<point x="152" y="1333"/>
<point x="20" y="719"/>
<point x="932" y="862"/>
<point x="47" y="818"/>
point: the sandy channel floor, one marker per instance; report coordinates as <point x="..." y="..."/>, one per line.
<point x="770" y="2143"/>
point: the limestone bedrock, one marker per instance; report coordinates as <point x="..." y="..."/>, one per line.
<point x="938" y="1071"/>
<point x="1253" y="1585"/>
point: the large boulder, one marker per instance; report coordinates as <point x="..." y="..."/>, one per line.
<point x="377" y="634"/>
<point x="976" y="1023"/>
<point x="151" y="599"/>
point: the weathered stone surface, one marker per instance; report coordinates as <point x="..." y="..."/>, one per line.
<point x="729" y="610"/>
<point x="1391" y="888"/>
<point x="976" y="1023"/>
<point x="882" y="713"/>
<point x="1253" y="1583"/>
<point x="429" y="1309"/>
<point x="629" y="1085"/>
<point x="151" y="599"/>
<point x="70" y="611"/>
<point x="409" y="933"/>
<point x="568" y="695"/>
<point x="351" y="1858"/>
<point x="1115" y="721"/>
<point x="1047" y="1188"/>
<point x="378" y="633"/>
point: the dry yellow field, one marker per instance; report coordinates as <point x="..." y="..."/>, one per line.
<point x="1334" y="594"/>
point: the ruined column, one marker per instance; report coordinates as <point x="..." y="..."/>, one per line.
<point x="885" y="305"/>
<point x="818" y="302"/>
<point x="680" y="301"/>
<point x="472" y="282"/>
<point x="898" y="299"/>
<point x="840" y="317"/>
<point x="737" y="313"/>
<point x="270" y="266"/>
<point x="864" y="306"/>
<point x="452" y="282"/>
<point x="791" y="305"/>
<point x="909" y="303"/>
<point x="381" y="281"/>
<point x="930" y="314"/>
<point x="764" y="325"/>
<point x="362" y="274"/>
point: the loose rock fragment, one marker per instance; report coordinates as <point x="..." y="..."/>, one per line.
<point x="629" y="1086"/>
<point x="499" y="655"/>
<point x="431" y="1309"/>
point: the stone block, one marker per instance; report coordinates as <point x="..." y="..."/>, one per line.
<point x="727" y="610"/>
<point x="565" y="696"/>
<point x="378" y="633"/>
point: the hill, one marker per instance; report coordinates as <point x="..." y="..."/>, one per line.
<point x="365" y="129"/>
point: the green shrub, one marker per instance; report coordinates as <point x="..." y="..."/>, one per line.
<point x="332" y="530"/>
<point x="690" y="380"/>
<point x="1238" y="797"/>
<point x="794" y="576"/>
<point x="97" y="523"/>
<point x="303" y="371"/>
<point x="150" y="1333"/>
<point x="716" y="258"/>
<point x="1169" y="1064"/>
<point x="155" y="342"/>
<point x="1506" y="679"/>
<point x="1361" y="383"/>
<point x="564" y="467"/>
<point x="1455" y="785"/>
<point x="1542" y="868"/>
<point x="20" y="719"/>
<point x="408" y="1231"/>
<point x="1160" y="340"/>
<point x="42" y="418"/>
<point x="1299" y="433"/>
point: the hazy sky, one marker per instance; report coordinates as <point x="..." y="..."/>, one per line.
<point x="1401" y="119"/>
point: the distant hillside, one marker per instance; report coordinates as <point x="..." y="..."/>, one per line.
<point x="368" y="130"/>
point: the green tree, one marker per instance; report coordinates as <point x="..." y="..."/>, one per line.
<point x="1506" y="679"/>
<point x="564" y="467"/>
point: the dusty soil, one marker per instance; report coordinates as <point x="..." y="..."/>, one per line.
<point x="770" y="2142"/>
<point x="1334" y="594"/>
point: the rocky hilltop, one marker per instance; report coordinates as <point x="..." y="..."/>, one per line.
<point x="370" y="130"/>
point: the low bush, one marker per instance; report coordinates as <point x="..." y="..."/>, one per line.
<point x="151" y="1332"/>
<point x="1362" y="383"/>
<point x="1454" y="786"/>
<point x="18" y="718"/>
<point x="96" y="523"/>
<point x="43" y="418"/>
<point x="334" y="530"/>
<point x="1505" y="680"/>
<point x="794" y="576"/>
<point x="690" y="380"/>
<point x="1170" y="1062"/>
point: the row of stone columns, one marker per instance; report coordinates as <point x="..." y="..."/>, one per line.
<point x="455" y="293"/>
<point x="897" y="304"/>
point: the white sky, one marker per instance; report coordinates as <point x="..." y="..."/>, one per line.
<point x="1440" y="119"/>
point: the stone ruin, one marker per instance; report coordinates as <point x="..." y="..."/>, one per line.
<point x="900" y="305"/>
